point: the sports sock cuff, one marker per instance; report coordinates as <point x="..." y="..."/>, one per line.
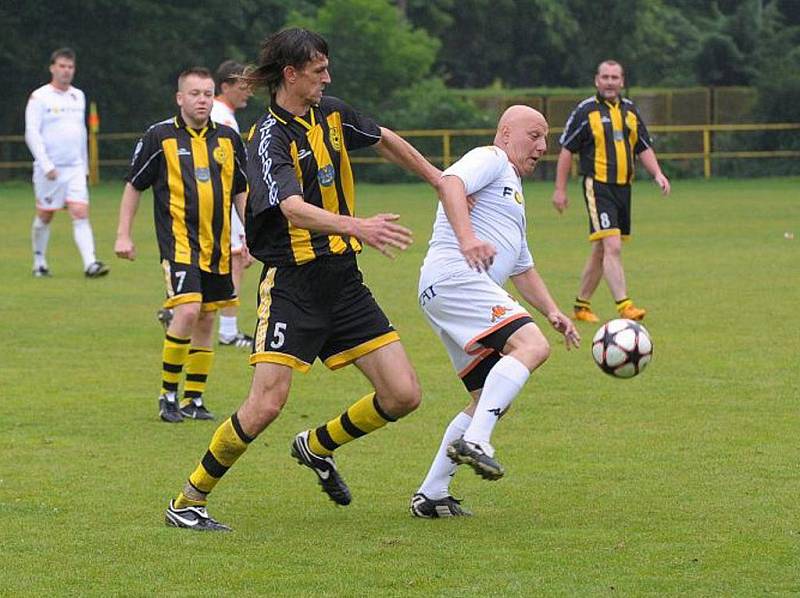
<point x="380" y="411"/>
<point x="512" y="369"/>
<point x="178" y="340"/>
<point x="237" y="427"/>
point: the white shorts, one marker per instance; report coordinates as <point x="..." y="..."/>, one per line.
<point x="237" y="232"/>
<point x="69" y="186"/>
<point x="465" y="308"/>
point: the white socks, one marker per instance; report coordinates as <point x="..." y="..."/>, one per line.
<point x="40" y="235"/>
<point x="82" y="231"/>
<point x="437" y="482"/>
<point x="228" y="327"/>
<point x="503" y="383"/>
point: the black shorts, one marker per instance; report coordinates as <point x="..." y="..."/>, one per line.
<point x="319" y="309"/>
<point x="609" y="208"/>
<point x="189" y="284"/>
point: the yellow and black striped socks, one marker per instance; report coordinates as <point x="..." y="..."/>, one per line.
<point x="173" y="358"/>
<point x="623" y="304"/>
<point x="582" y="304"/>
<point x="361" y="418"/>
<point x="227" y="445"/>
<point x="198" y="365"/>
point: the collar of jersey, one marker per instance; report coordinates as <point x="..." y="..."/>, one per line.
<point x="284" y="116"/>
<point x="181" y="124"/>
<point x="602" y="100"/>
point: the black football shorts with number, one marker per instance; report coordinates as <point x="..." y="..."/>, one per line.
<point x="318" y="309"/>
<point x="609" y="208"/>
<point x="189" y="284"/>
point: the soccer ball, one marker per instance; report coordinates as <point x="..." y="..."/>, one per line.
<point x="622" y="348"/>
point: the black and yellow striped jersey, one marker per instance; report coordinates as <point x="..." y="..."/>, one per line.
<point x="307" y="156"/>
<point x="194" y="175"/>
<point x="606" y="135"/>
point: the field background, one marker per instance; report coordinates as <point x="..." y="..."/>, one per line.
<point x="682" y="481"/>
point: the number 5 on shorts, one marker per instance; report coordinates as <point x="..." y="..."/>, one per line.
<point x="278" y="336"/>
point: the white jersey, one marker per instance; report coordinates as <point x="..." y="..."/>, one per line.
<point x="55" y="128"/>
<point x="498" y="217"/>
<point x="224" y="114"/>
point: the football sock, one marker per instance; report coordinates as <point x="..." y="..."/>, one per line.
<point x="82" y="231"/>
<point x="174" y="356"/>
<point x="198" y="365"/>
<point x="582" y="304"/>
<point x="436" y="484"/>
<point x="40" y="235"/>
<point x="361" y="418"/>
<point x="622" y="304"/>
<point x="503" y="383"/>
<point x="228" y="328"/>
<point x="227" y="445"/>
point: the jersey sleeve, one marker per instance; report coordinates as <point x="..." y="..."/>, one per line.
<point x="146" y="160"/>
<point x="574" y="131"/>
<point x="359" y="130"/>
<point x="34" y="111"/>
<point x="478" y="167"/>
<point x="643" y="141"/>
<point x="240" y="165"/>
<point x="270" y="168"/>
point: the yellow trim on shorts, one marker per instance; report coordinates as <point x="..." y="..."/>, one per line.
<point x="601" y="234"/>
<point x="182" y="299"/>
<point x="215" y="305"/>
<point x="280" y="358"/>
<point x="334" y="362"/>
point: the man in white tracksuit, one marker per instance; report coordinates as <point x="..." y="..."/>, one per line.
<point x="492" y="341"/>
<point x="55" y="131"/>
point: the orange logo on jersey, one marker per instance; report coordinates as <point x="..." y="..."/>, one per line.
<point x="498" y="312"/>
<point x="219" y="155"/>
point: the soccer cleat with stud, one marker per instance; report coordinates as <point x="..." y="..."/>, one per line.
<point x="168" y="409"/>
<point x="240" y="341"/>
<point x="584" y="314"/>
<point x="479" y="456"/>
<point x="631" y="312"/>
<point x="194" y="518"/>
<point x="164" y="317"/>
<point x="324" y="467"/>
<point x="96" y="270"/>
<point x="41" y="272"/>
<point x="195" y="409"/>
<point x="428" y="508"/>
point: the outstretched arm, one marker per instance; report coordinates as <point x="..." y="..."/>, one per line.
<point x="534" y="291"/>
<point x="399" y="151"/>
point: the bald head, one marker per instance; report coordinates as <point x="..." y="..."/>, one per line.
<point x="522" y="135"/>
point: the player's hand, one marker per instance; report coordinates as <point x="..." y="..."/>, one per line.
<point x="663" y="183"/>
<point x="247" y="257"/>
<point x="472" y="201"/>
<point x="382" y="233"/>
<point x="125" y="248"/>
<point x="52" y="175"/>
<point x="478" y="253"/>
<point x="560" y="200"/>
<point x="565" y="326"/>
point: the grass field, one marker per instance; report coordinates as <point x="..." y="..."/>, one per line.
<point x="684" y="481"/>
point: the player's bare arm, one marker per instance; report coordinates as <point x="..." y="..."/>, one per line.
<point x="124" y="246"/>
<point x="560" y="200"/>
<point x="379" y="231"/>
<point x="453" y="195"/>
<point x="650" y="162"/>
<point x="534" y="291"/>
<point x="397" y="150"/>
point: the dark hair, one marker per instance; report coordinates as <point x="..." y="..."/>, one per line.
<point x="67" y="53"/>
<point x="199" y="71"/>
<point x="291" y="47"/>
<point x="227" y="72"/>
<point x="610" y="62"/>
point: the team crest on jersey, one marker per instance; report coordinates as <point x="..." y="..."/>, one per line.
<point x="519" y="198"/>
<point x="498" y="312"/>
<point x="202" y="174"/>
<point x="326" y="175"/>
<point x="335" y="137"/>
<point x="219" y="155"/>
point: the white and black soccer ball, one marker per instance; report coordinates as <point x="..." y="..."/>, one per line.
<point x="622" y="348"/>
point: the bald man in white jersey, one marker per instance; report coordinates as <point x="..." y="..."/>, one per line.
<point x="55" y="131"/>
<point x="492" y="341"/>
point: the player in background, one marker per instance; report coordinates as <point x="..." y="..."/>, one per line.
<point x="606" y="130"/>
<point x="55" y="131"/>
<point x="493" y="342"/>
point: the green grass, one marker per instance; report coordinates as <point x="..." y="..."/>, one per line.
<point x="681" y="481"/>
